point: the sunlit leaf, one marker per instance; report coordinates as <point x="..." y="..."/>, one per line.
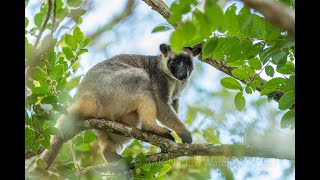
<point x="288" y="119"/>
<point x="239" y="101"/>
<point x="287" y="100"/>
<point x="230" y="83"/>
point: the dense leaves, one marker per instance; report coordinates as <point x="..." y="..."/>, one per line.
<point x="243" y="39"/>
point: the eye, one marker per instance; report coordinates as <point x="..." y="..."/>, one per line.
<point x="170" y="62"/>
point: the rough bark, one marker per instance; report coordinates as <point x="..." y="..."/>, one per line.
<point x="171" y="150"/>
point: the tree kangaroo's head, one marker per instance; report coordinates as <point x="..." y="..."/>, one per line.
<point x="177" y="66"/>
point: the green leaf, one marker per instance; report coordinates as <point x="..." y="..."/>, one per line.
<point x="79" y="140"/>
<point x="145" y="167"/>
<point x="84" y="147"/>
<point x="226" y="171"/>
<point x="271" y="96"/>
<point x="288" y="119"/>
<point x="67" y="52"/>
<point x="184" y="36"/>
<point x="239" y="101"/>
<point x="38" y="18"/>
<point x="289" y="84"/>
<point x="288" y="68"/>
<point x="248" y="90"/>
<point x="81" y="51"/>
<point x="89" y="137"/>
<point x="76" y="15"/>
<point x="72" y="83"/>
<point x="269" y="71"/>
<point x="57" y="72"/>
<point x="26" y="22"/>
<point x="210" y="136"/>
<point x="178" y="8"/>
<point x="215" y="15"/>
<point x="288" y="44"/>
<point x="45" y="143"/>
<point x="230" y="83"/>
<point x="256" y="82"/>
<point x="86" y="42"/>
<point x="266" y="91"/>
<point x="60" y="109"/>
<point x="68" y="173"/>
<point x="74" y="3"/>
<point x="30" y="136"/>
<point x="61" y="84"/>
<point x="255" y="63"/>
<point x="141" y="159"/>
<point x="55" y="131"/>
<point x="49" y="99"/>
<point x="231" y="20"/>
<point x="280" y="58"/>
<point x="267" y="53"/>
<point x="38" y="74"/>
<point x="287" y="100"/>
<point x="274" y="83"/>
<point x="161" y="28"/>
<point x="71" y="42"/>
<point x="41" y="164"/>
<point x="240" y="74"/>
<point x="209" y="47"/>
<point x="164" y="170"/>
<point x="75" y="66"/>
<point x="201" y="22"/>
<point x="78" y="35"/>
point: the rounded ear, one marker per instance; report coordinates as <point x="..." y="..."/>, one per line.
<point x="165" y="49"/>
<point x="195" y="50"/>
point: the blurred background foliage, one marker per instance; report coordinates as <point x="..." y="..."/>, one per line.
<point x="215" y="107"/>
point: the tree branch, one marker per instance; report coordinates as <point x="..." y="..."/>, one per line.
<point x="44" y="24"/>
<point x="162" y="8"/>
<point x="125" y="13"/>
<point x="171" y="150"/>
<point x="54" y="16"/>
<point x="277" y="13"/>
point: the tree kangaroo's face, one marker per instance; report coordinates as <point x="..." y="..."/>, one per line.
<point x="177" y="66"/>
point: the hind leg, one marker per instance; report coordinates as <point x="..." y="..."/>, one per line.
<point x="112" y="145"/>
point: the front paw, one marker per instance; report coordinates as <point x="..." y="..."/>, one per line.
<point x="169" y="136"/>
<point x="186" y="137"/>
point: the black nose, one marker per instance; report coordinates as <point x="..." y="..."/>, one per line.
<point x="182" y="76"/>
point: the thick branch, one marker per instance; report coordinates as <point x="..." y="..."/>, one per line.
<point x="171" y="150"/>
<point x="277" y="13"/>
<point x="162" y="8"/>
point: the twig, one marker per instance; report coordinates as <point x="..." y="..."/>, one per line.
<point x="44" y="24"/>
<point x="125" y="13"/>
<point x="31" y="33"/>
<point x="264" y="67"/>
<point x="54" y="16"/>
